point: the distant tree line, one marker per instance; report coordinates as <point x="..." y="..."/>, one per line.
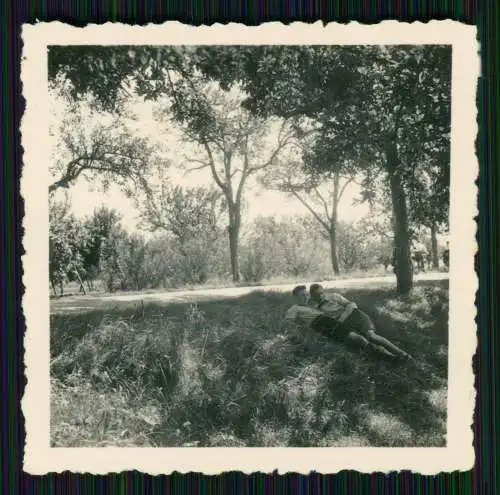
<point x="189" y="248"/>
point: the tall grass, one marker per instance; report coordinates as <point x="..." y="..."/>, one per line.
<point x="230" y="373"/>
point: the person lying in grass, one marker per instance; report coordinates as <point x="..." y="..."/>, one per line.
<point x="339" y="319"/>
<point x="348" y="315"/>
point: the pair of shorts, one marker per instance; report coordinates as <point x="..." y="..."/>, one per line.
<point x="330" y="328"/>
<point x="358" y="321"/>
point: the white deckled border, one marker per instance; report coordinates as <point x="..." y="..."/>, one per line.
<point x="459" y="453"/>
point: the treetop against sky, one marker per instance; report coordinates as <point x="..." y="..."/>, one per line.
<point x="142" y="120"/>
<point x="361" y="98"/>
<point x="260" y="202"/>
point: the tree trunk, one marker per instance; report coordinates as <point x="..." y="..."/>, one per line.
<point x="404" y="274"/>
<point x="333" y="224"/>
<point x="80" y="281"/>
<point x="234" y="236"/>
<point x="233" y="251"/>
<point x="110" y="283"/>
<point x="333" y="249"/>
<point x="434" y="247"/>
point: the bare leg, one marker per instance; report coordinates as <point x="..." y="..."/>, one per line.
<point x="381" y="341"/>
<point x="363" y="325"/>
<point x="364" y="343"/>
<point x="355" y="338"/>
<point x="382" y="350"/>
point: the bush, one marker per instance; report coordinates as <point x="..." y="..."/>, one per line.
<point x="252" y="265"/>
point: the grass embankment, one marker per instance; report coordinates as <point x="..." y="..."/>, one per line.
<point x="230" y="373"/>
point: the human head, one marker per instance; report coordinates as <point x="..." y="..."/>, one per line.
<point x="300" y="294"/>
<point x="316" y="291"/>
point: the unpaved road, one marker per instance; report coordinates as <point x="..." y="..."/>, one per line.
<point x="75" y="303"/>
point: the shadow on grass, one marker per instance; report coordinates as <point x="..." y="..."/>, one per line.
<point x="229" y="372"/>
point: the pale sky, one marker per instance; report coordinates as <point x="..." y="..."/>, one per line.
<point x="85" y="198"/>
<point x="260" y="202"/>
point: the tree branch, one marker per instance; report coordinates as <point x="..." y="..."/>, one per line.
<point x="247" y="170"/>
<point x="239" y="191"/>
<point x="195" y="160"/>
<point x="282" y="142"/>
<point x="194" y="169"/>
<point x="236" y="171"/>
<point x="172" y="87"/>
<point x="69" y="177"/>
<point x="343" y="188"/>
<point x="316" y="216"/>
<point x="211" y="162"/>
<point x="324" y="203"/>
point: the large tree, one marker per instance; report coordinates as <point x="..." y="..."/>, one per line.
<point x="233" y="144"/>
<point x="385" y="107"/>
<point x="231" y="141"/>
<point x="428" y="202"/>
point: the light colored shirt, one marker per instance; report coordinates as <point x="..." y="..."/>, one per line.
<point x="302" y="314"/>
<point x="336" y="306"/>
<point x="418" y="247"/>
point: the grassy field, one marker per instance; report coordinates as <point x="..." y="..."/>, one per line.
<point x="230" y="373"/>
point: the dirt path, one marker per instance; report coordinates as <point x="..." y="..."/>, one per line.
<point x="74" y="303"/>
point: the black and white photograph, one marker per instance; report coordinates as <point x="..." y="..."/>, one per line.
<point x="249" y="244"/>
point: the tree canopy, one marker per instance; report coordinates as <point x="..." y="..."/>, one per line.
<point x="230" y="139"/>
<point x="382" y="112"/>
<point x="94" y="144"/>
<point x="383" y="109"/>
<point x="358" y="97"/>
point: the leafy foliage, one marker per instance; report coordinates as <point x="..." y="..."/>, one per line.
<point x="95" y="145"/>
<point x="109" y="258"/>
<point x="291" y="247"/>
<point x="99" y="227"/>
<point x="379" y="109"/>
<point x="66" y="239"/>
<point x="190" y="216"/>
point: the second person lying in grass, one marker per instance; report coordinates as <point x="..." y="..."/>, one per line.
<point x="340" y="319"/>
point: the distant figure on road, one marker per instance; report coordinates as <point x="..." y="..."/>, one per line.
<point x="339" y="319"/>
<point x="429" y="260"/>
<point x="386" y="261"/>
<point x="446" y="256"/>
<point x="419" y="255"/>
